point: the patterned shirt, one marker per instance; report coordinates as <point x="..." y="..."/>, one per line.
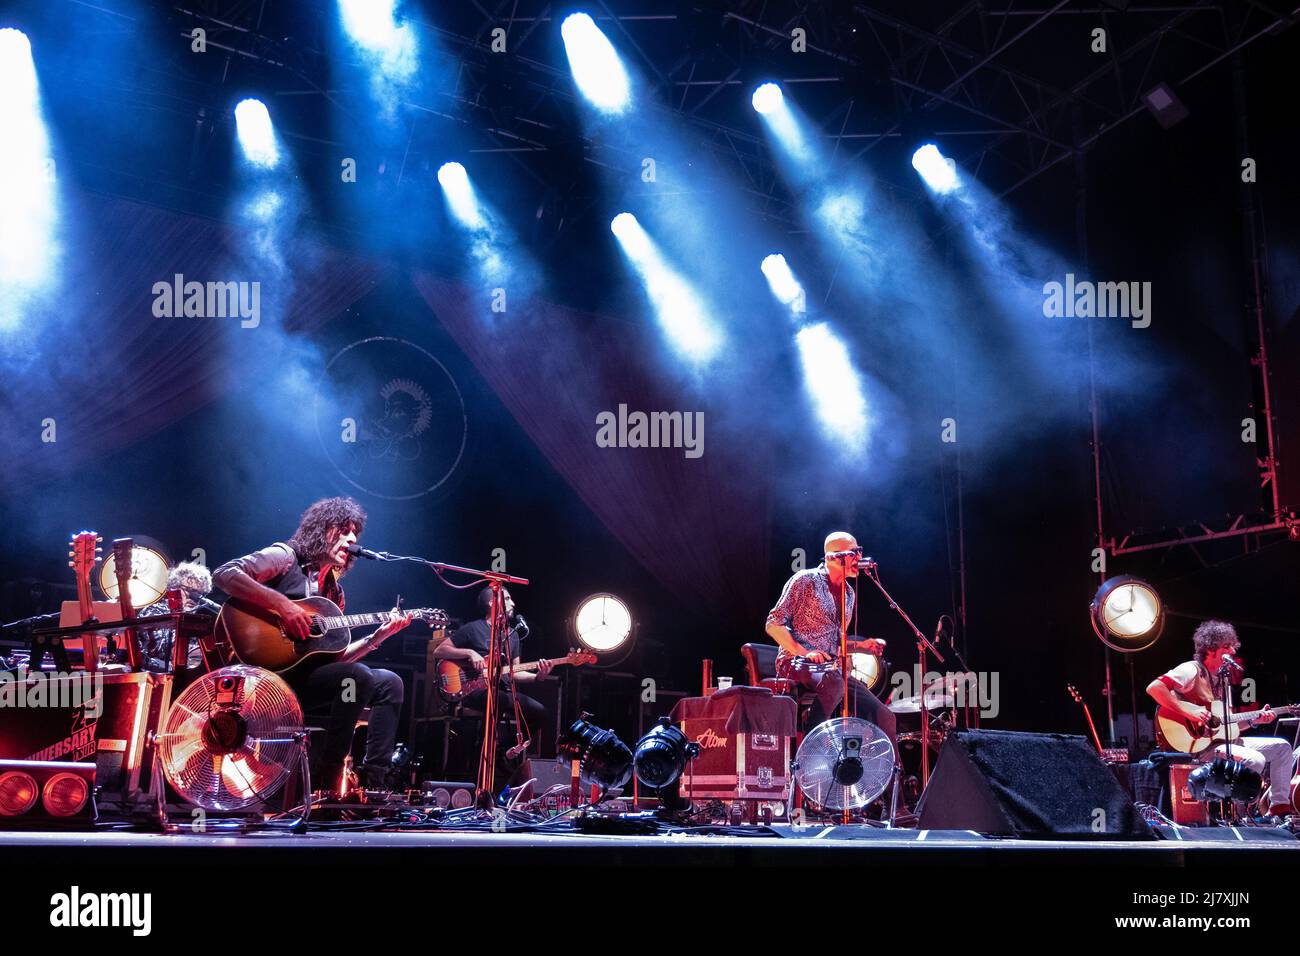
<point x="809" y="608"/>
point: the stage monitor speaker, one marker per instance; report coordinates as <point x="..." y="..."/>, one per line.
<point x="1027" y="785"/>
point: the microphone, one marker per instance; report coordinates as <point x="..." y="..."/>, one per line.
<point x="943" y="629"/>
<point x="520" y="626"/>
<point x="359" y="552"/>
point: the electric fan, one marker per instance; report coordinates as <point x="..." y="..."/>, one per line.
<point x="844" y="764"/>
<point x="231" y="738"/>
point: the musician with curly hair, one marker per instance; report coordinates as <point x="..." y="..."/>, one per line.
<point x="1190" y="688"/>
<point x="310" y="564"/>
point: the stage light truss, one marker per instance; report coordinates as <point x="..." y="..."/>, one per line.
<point x="961" y="80"/>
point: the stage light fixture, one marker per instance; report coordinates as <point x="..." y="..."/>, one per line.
<point x="768" y="98"/>
<point x="802" y="162"/>
<point x="660" y="756"/>
<point x="602" y="623"/>
<point x="256" y="134"/>
<point x="1223" y="779"/>
<point x="461" y="199"/>
<point x="1127" y="614"/>
<point x="595" y="64"/>
<point x="44" y="793"/>
<point x="782" y="281"/>
<point x="604" y="760"/>
<point x="679" y="309"/>
<point x="834" y="387"/>
<point x="937" y="171"/>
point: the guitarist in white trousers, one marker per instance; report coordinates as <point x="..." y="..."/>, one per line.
<point x="1191" y="687"/>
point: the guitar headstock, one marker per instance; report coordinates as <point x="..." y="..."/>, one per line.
<point x="577" y="657"/>
<point x="123" y="553"/>
<point x="1074" y="692"/>
<point x="85" y="551"/>
<point x="434" y="617"/>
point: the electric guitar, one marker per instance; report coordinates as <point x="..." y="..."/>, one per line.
<point x="1092" y="728"/>
<point x="1110" y="755"/>
<point x="1174" y="731"/>
<point x="85" y="552"/>
<point x="122" y="552"/>
<point x="257" y="636"/>
<point x="457" y="680"/>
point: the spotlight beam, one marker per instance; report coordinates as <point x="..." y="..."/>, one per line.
<point x="597" y="69"/>
<point x="460" y="195"/>
<point x="679" y="308"/>
<point x="256" y="134"/>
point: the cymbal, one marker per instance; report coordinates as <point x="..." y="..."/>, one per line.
<point x="912" y="705"/>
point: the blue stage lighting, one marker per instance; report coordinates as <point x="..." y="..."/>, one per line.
<point x="680" y="311"/>
<point x="256" y="135"/>
<point x="834" y="388"/>
<point x="938" y="172"/>
<point x="768" y="98"/>
<point x="372" y="25"/>
<point x="782" y="281"/>
<point x="787" y="130"/>
<point x="595" y="63"/>
<point x="460" y="195"/>
<point x="17" y="70"/>
<point x="28" y="192"/>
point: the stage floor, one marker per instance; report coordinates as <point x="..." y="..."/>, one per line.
<point x="775" y="846"/>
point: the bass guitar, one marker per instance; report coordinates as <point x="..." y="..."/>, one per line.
<point x="457" y="681"/>
<point x="257" y="636"/>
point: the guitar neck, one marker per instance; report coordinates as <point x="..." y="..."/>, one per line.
<point x="356" y="620"/>
<point x="1239" y="716"/>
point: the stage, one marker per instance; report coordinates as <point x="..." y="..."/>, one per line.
<point x="768" y="846"/>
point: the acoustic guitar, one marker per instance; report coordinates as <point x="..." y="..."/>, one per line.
<point x="457" y="681"/>
<point x="257" y="636"/>
<point x="1174" y="731"/>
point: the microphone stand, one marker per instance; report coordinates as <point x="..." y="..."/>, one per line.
<point x="1225" y="683"/>
<point x="922" y="646"/>
<point x="484" y="790"/>
<point x="965" y="672"/>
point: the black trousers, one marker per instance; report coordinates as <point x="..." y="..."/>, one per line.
<point x="346" y="690"/>
<point x="536" y="714"/>
<point x="828" y="685"/>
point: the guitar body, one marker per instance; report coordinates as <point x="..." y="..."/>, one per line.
<point x="1173" y="732"/>
<point x="457" y="681"/>
<point x="454" y="681"/>
<point x="257" y="638"/>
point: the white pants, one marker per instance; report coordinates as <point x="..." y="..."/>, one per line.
<point x="1273" y="753"/>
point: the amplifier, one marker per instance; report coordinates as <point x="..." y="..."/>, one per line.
<point x="735" y="766"/>
<point x="107" y="718"/>
<point x="1185" y="810"/>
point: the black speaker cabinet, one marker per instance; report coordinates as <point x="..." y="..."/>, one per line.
<point x="1027" y="785"/>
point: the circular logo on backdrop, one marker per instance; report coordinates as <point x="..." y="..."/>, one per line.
<point x="390" y="418"/>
